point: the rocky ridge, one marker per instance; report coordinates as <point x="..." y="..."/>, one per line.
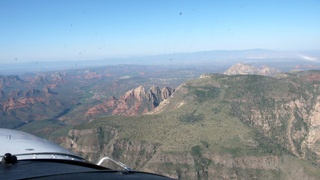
<point x="133" y="102"/>
<point x="244" y="69"/>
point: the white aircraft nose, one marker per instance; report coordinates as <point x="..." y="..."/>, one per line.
<point x="27" y="146"/>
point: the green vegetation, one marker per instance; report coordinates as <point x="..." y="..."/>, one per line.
<point x="191" y="117"/>
<point x="201" y="163"/>
<point x="204" y="93"/>
<point x="46" y="128"/>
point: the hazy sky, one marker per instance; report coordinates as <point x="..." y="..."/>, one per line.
<point x="35" y="30"/>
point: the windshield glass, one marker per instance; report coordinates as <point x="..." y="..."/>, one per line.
<point x="189" y="89"/>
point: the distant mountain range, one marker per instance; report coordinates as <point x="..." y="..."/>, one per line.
<point x="282" y="60"/>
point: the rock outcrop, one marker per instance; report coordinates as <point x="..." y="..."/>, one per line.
<point x="94" y="143"/>
<point x="40" y="79"/>
<point x="133" y="102"/>
<point x="23" y="101"/>
<point x="244" y="69"/>
<point x="92" y="75"/>
<point x="48" y="79"/>
<point x="9" y="81"/>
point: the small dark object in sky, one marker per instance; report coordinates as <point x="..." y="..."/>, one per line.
<point x="180" y="13"/>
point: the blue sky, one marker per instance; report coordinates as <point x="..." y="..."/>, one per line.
<point x="37" y="30"/>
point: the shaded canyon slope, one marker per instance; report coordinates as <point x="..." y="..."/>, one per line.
<point x="216" y="127"/>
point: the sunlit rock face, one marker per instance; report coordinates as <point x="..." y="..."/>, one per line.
<point x="133" y="102"/>
<point x="243" y="69"/>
